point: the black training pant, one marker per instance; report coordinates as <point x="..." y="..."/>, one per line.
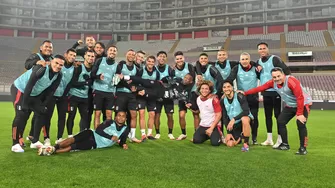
<point x="285" y="116"/>
<point x="200" y="136"/>
<point x="82" y="105"/>
<point x="253" y="106"/>
<point x="272" y="103"/>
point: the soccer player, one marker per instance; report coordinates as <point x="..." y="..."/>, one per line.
<point x="43" y="57"/>
<point x="106" y="135"/>
<point x="181" y="69"/>
<point x="140" y="59"/>
<point x="297" y="104"/>
<point x="78" y="94"/>
<point x="60" y="96"/>
<point x="99" y="49"/>
<point x="147" y="72"/>
<point x="126" y="99"/>
<point x="90" y="43"/>
<point x="26" y="92"/>
<point x="236" y="114"/>
<point x="247" y="77"/>
<point x="165" y="71"/>
<point x="271" y="99"/>
<point x="102" y="73"/>
<point x="209" y="72"/>
<point x="210" y="115"/>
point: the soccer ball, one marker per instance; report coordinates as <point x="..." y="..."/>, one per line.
<point x="49" y="150"/>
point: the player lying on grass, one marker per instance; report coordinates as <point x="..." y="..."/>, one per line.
<point x="231" y="141"/>
<point x="106" y="135"/>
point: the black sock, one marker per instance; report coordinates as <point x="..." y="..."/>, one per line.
<point x="183" y="131"/>
<point x="56" y="146"/>
<point x="246" y="140"/>
<point x="170" y="131"/>
<point x="157" y="131"/>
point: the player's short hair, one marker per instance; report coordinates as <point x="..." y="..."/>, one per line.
<point x="90" y="36"/>
<point x="151" y="57"/>
<point x="101" y="44"/>
<point x="140" y="52"/>
<point x="277" y="69"/>
<point x="161" y="52"/>
<point x="117" y="112"/>
<point x="206" y="82"/>
<point x="110" y="46"/>
<point x="46" y="41"/>
<point x="264" y="43"/>
<point x="130" y="50"/>
<point x="58" y="56"/>
<point x="203" y="54"/>
<point x="245" y="53"/>
<point x="90" y="51"/>
<point x="223" y="50"/>
<point x="178" y="53"/>
<point x="71" y="50"/>
<point x="228" y="81"/>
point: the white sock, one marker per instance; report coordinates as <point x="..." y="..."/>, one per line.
<point x="143" y="132"/>
<point x="149" y="131"/>
<point x="279" y="140"/>
<point x="132" y="132"/>
<point x="269" y="136"/>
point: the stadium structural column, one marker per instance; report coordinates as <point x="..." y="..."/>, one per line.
<point x="33" y="33"/>
<point x="177" y="36"/>
<point x="307" y="27"/>
<point x="15" y="32"/>
<point x="160" y="35"/>
<point x="66" y="36"/>
<point x="265" y="30"/>
<point x="82" y="36"/>
<point x="98" y="36"/>
<point x="209" y="33"/>
<point x="329" y="26"/>
<point x="192" y="34"/>
<point x="145" y="37"/>
<point x="245" y="31"/>
<point x="50" y="35"/>
<point x="285" y="28"/>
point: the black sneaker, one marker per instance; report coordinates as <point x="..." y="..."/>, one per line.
<point x="254" y="142"/>
<point x="301" y="151"/>
<point x="283" y="146"/>
<point x="150" y="137"/>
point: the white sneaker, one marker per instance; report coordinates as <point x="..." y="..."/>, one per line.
<point x="36" y="145"/>
<point x="267" y="143"/>
<point x="181" y="137"/>
<point x="158" y="136"/>
<point x="59" y="141"/>
<point x="279" y="141"/>
<point x="171" y="137"/>
<point x="17" y="148"/>
<point x="47" y="142"/>
<point x="70" y="136"/>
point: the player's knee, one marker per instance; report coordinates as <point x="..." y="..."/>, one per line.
<point x="151" y="114"/>
<point x="196" y="141"/>
<point x="215" y="142"/>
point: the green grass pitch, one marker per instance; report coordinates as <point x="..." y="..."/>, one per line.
<point x="165" y="163"/>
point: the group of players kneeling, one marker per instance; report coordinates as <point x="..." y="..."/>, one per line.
<point x="128" y="87"/>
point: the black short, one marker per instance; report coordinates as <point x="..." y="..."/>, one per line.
<point x="193" y="101"/>
<point x="84" y="141"/>
<point x="237" y="131"/>
<point x="168" y="106"/>
<point x="103" y="100"/>
<point x="144" y="102"/>
<point x="125" y="101"/>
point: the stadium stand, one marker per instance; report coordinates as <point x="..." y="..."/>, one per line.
<point x="193" y="45"/>
<point x="305" y="39"/>
<point x="247" y="42"/>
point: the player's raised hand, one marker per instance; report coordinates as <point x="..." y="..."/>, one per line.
<point x="209" y="131"/>
<point x="102" y="77"/>
<point x="142" y="92"/>
<point x="41" y="62"/>
<point x="80" y="42"/>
